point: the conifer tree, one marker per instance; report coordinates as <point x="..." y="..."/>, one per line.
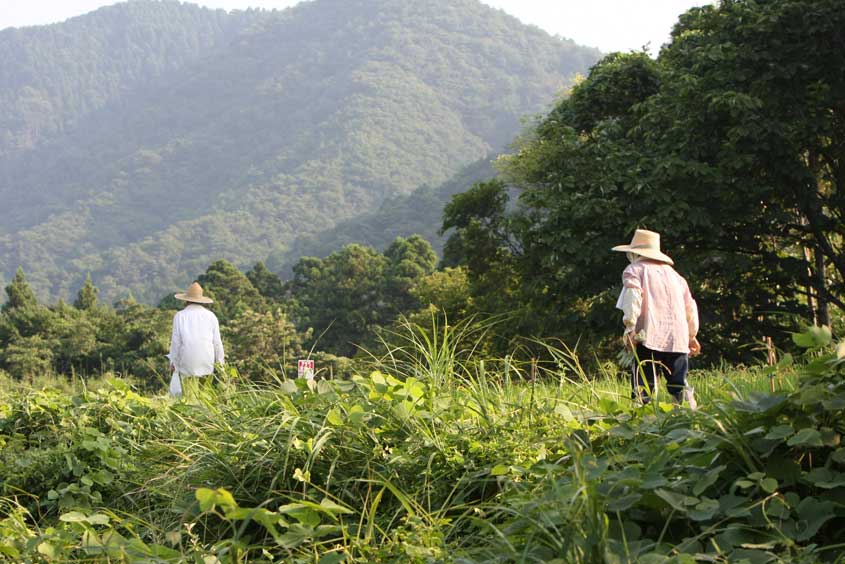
<point x="19" y="293"/>
<point x="86" y="299"/>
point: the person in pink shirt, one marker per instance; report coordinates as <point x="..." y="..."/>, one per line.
<point x="660" y="318"/>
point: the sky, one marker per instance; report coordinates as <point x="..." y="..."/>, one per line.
<point x="610" y="25"/>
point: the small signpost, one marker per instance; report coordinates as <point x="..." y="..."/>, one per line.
<point x="305" y="369"/>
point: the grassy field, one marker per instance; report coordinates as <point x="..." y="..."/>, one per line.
<point x="431" y="455"/>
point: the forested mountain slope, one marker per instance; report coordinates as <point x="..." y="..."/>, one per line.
<point x="172" y="136"/>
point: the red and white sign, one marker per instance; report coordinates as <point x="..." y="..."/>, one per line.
<point x="305" y="369"/>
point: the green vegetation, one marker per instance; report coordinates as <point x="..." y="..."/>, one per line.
<point x="431" y="454"/>
<point x="472" y="415"/>
<point x="158" y="137"/>
<point x="331" y="309"/>
<point x="730" y="145"/>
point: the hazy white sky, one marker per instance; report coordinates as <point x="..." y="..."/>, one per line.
<point x="610" y="25"/>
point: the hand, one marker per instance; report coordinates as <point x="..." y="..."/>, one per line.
<point x="694" y="347"/>
<point x="628" y="341"/>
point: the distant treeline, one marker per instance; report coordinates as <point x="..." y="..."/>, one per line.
<point x="331" y="308"/>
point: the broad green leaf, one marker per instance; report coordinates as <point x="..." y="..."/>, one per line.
<point x="334" y="417"/>
<point x="780" y="432"/>
<point x="332" y="508"/>
<point x="623" y="503"/>
<point x="825" y="478"/>
<point x="678" y="501"/>
<point x="500" y="470"/>
<point x="808" y="437"/>
<point x="98" y="519"/>
<point x="295" y="536"/>
<point x="47" y="549"/>
<point x="813" y="337"/>
<point x="333" y="558"/>
<point x="704" y="510"/>
<point x="707" y="480"/>
<point x="302" y="513"/>
<point x="209" y="498"/>
<point x="812" y="514"/>
<point x="769" y="485"/>
<point x="74" y="517"/>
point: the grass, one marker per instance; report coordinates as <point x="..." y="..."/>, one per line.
<point x="430" y="454"/>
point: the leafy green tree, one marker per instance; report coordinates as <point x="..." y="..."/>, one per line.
<point x="232" y="291"/>
<point x="342" y="296"/>
<point x="730" y="145"/>
<point x="447" y="291"/>
<point x="749" y="125"/>
<point x="267" y="283"/>
<point x="409" y="260"/>
<point x="259" y="344"/>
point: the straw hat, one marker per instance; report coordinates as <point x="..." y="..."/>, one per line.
<point x="194" y="294"/>
<point x="647" y="244"/>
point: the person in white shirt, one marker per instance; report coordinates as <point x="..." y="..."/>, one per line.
<point x="195" y="345"/>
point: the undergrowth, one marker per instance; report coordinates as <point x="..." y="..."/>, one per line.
<point x="433" y="455"/>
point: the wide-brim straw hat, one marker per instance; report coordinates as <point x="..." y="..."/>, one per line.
<point x="645" y="243"/>
<point x="194" y="294"/>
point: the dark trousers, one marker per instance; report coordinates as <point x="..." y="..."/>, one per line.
<point x="648" y="364"/>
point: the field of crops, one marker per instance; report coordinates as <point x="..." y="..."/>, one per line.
<point x="432" y="455"/>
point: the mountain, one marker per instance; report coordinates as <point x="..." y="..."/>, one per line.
<point x="145" y="140"/>
<point x="417" y="213"/>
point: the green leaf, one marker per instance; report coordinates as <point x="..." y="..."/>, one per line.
<point x="812" y="514"/>
<point x="780" y="432"/>
<point x="302" y="513"/>
<point x="825" y="478"/>
<point x="769" y="485"/>
<point x="704" y="510"/>
<point x="301" y="476"/>
<point x="334" y="417"/>
<point x="98" y="519"/>
<point x="623" y="503"/>
<point x="707" y="480"/>
<point x="500" y="470"/>
<point x="332" y="508"/>
<point x="678" y="501"/>
<point x="74" y="517"/>
<point x="808" y="437"/>
<point x="295" y="536"/>
<point x="813" y="337"/>
<point x="209" y="498"/>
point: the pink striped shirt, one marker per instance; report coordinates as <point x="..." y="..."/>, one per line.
<point x="667" y="313"/>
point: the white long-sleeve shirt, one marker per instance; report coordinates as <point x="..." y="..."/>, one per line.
<point x="195" y="344"/>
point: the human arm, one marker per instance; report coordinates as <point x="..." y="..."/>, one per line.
<point x="630" y="302"/>
<point x="175" y="345"/>
<point x="692" y="322"/>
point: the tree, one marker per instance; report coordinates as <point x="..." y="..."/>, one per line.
<point x="86" y="299"/>
<point x="409" y="260"/>
<point x="259" y="344"/>
<point x="730" y="145"/>
<point x="267" y="283"/>
<point x="232" y="291"/>
<point x="752" y="118"/>
<point x="19" y="294"/>
<point x="341" y="296"/>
